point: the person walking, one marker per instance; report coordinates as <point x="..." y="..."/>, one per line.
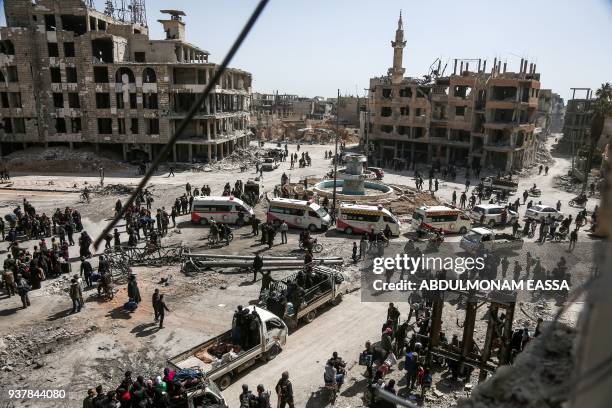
<point x="9" y="282"/>
<point x="162" y="309"/>
<point x="132" y="289"/>
<point x="155" y="303"/>
<point x="76" y="295"/>
<point x="354" y="256"/>
<point x="363" y="247"/>
<point x="257" y="265"/>
<point x="573" y="239"/>
<point x="171" y="173"/>
<point x="284" y="391"/>
<point x="284" y="228"/>
<point x="23" y="287"/>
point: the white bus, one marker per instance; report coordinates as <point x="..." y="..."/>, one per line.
<point x="359" y="219"/>
<point x="298" y="214"/>
<point x="226" y="209"/>
<point x="434" y="218"/>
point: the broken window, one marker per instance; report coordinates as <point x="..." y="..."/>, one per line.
<point x="121" y="126"/>
<point x="419" y="132"/>
<point x="101" y="25"/>
<point x="386" y="93"/>
<point x="419" y="112"/>
<point x="71" y="75"/>
<point x="8" y="125"/>
<point x="15" y="99"/>
<point x="58" y="100"/>
<point x="92" y="24"/>
<point x="525" y="94"/>
<point x="56" y="75"/>
<point x="149" y="101"/>
<point x="11" y="74"/>
<point x="102" y="49"/>
<point x="76" y="24"/>
<point x="134" y="126"/>
<point x="102" y="100"/>
<point x="133" y="101"/>
<point x="53" y="49"/>
<point x="4" y="103"/>
<point x="69" y="49"/>
<point x="439" y="132"/>
<point x="185" y="76"/>
<point x="101" y="75"/>
<point x="105" y="126"/>
<point x="75" y="125"/>
<point x="386" y="111"/>
<point x="18" y="125"/>
<point x="459" y="135"/>
<point x="152" y="126"/>
<point x="462" y="91"/>
<point x="2" y="79"/>
<point x="140" y="57"/>
<point x="124" y="76"/>
<point x="148" y="76"/>
<point x="405" y="111"/>
<point x="60" y="125"/>
<point x="459" y="110"/>
<point x="405" y="92"/>
<point x="386" y="128"/>
<point x="73" y="100"/>
<point x="403" y="130"/>
<point x="120" y="104"/>
<point x="503" y="115"/>
<point x="423" y="91"/>
<point x="6" y="47"/>
<point x="503" y="93"/>
<point x="201" y="76"/>
<point x="50" y="22"/>
<point x="183" y="101"/>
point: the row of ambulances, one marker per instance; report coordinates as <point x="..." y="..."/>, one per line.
<point x="351" y="218"/>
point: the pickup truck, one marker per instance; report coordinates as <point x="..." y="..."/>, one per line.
<point x="496" y="183"/>
<point x="483" y="239"/>
<point x="203" y="394"/>
<point x="269" y="164"/>
<point x="221" y="358"/>
<point x="325" y="286"/>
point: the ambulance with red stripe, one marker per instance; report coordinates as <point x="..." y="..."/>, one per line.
<point x="224" y="209"/>
<point x="434" y="218"/>
<point x="359" y="219"/>
<point x="298" y="214"/>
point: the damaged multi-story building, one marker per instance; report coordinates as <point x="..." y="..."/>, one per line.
<point x="71" y="75"/>
<point x="471" y="117"/>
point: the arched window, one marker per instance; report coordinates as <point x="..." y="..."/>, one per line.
<point x="124" y="75"/>
<point x="148" y="76"/>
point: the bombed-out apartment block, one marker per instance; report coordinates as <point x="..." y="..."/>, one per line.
<point x="577" y="123"/>
<point x="286" y="107"/>
<point x="71" y="75"/>
<point x="473" y="116"/>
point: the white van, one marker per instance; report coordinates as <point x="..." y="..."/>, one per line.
<point x="354" y="218"/>
<point x="298" y="214"/>
<point x="493" y="214"/>
<point x="431" y="218"/>
<point x="225" y="209"/>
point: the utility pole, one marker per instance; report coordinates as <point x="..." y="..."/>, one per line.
<point x="367" y="125"/>
<point x="336" y="157"/>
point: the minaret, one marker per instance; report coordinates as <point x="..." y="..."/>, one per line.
<point x="397" y="72"/>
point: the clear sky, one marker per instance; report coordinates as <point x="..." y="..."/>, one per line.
<point x="314" y="47"/>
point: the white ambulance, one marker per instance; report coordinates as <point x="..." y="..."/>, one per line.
<point x="434" y="218"/>
<point x="225" y="209"/>
<point x="298" y="214"/>
<point x="359" y="219"/>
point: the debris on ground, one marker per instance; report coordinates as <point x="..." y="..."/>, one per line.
<point x="62" y="160"/>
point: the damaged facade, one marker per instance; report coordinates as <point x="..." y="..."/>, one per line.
<point x="468" y="118"/>
<point x="71" y="75"/>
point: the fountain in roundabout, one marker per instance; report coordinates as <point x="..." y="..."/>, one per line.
<point x="354" y="182"/>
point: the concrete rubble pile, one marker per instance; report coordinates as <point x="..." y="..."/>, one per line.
<point x="61" y="159"/>
<point x="541" y="375"/>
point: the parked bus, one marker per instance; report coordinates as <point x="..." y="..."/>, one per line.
<point x="298" y="214"/>
<point x="434" y="218"/>
<point x="226" y="209"/>
<point x="359" y="219"/>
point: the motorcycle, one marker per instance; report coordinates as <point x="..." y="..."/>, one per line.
<point x="535" y="192"/>
<point x="579" y="201"/>
<point x="315" y="246"/>
<point x="560" y="235"/>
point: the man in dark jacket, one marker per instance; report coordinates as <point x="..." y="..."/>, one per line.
<point x="247" y="399"/>
<point x="284" y="390"/>
<point x="162" y="309"/>
<point x="257" y="265"/>
<point x="23" y="287"/>
<point x="132" y="289"/>
<point x="263" y="398"/>
<point x="155" y="303"/>
<point x="76" y="295"/>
